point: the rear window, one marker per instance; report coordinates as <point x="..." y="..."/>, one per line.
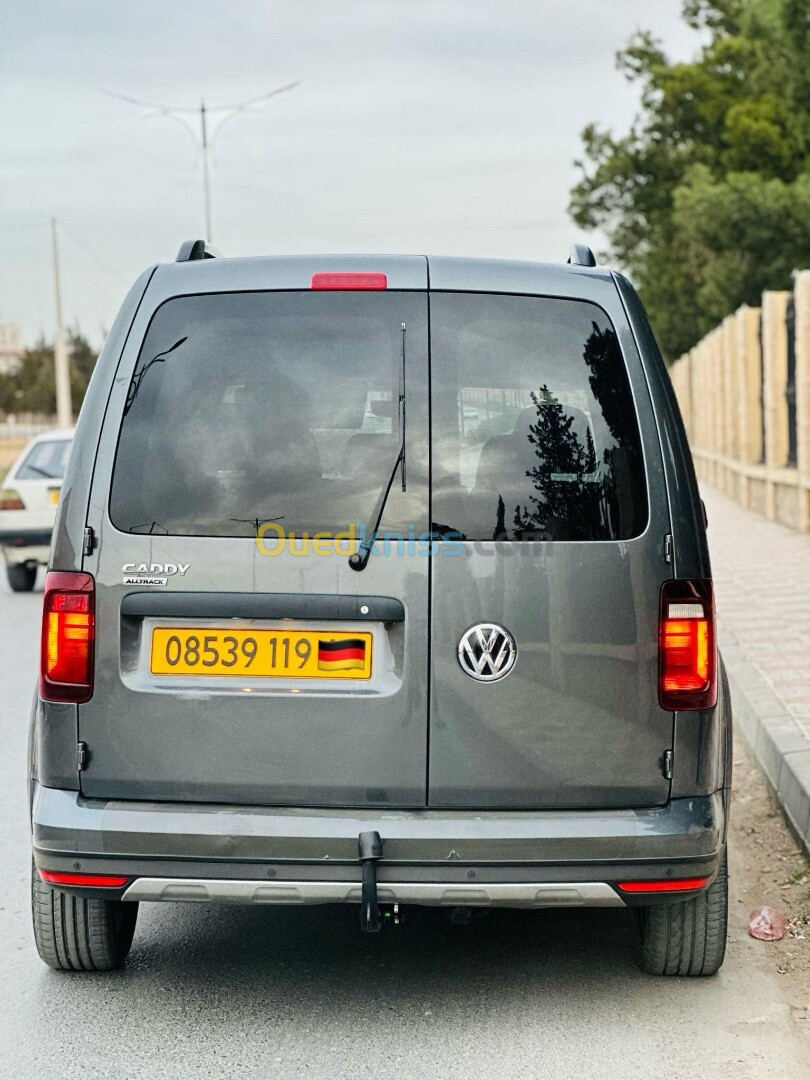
<point x="535" y="435"/>
<point x="249" y="408"/>
<point x="45" y="461"/>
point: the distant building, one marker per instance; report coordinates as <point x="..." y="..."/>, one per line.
<point x="11" y="347"/>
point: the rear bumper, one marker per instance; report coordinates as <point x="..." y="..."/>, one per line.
<point x="22" y="538"/>
<point x="175" y="851"/>
<point x="25" y="545"/>
<point x="23" y="556"/>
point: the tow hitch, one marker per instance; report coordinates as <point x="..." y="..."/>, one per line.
<point x="370" y="847"/>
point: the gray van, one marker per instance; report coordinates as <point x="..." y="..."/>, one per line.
<point x="380" y="580"/>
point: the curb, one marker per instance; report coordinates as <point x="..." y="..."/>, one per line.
<point x="777" y="744"/>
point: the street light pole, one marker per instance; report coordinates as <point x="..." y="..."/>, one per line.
<point x="206" y="177"/>
<point x="206" y="139"/>
<point x="64" y="404"/>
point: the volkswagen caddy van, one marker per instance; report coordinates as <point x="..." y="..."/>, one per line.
<point x="380" y="581"/>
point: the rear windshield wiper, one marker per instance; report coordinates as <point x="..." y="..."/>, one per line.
<point x="359" y="559"/>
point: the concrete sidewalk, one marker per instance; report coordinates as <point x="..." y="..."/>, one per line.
<point x="762" y="581"/>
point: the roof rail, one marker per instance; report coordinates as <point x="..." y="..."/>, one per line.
<point x="581" y="255"/>
<point x="191" y="250"/>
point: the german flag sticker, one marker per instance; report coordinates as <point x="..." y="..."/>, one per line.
<point x="341" y="655"/>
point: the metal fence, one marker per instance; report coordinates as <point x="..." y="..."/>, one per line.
<point x="26" y="426"/>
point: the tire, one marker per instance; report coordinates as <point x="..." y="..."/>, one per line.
<point x="687" y="938"/>
<point x="73" y="933"/>
<point x="21" y="576"/>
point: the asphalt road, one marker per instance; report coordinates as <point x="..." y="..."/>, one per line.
<point x="257" y="992"/>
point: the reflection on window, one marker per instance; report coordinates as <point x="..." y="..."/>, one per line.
<point x="535" y="433"/>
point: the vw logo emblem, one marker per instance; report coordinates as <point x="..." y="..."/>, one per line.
<point x="487" y="652"/>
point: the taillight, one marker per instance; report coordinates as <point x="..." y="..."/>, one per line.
<point x="95" y="881"/>
<point x="349" y="281"/>
<point x="68" y="635"/>
<point x="687" y="650"/>
<point x="10" y="500"/>
<point x="673" y="885"/>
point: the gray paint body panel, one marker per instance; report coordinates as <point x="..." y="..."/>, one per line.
<point x="54" y="726"/>
<point x="65" y="822"/>
<point x="282" y="272"/>
<point x="66" y="551"/>
<point x="702" y="741"/>
<point x="577" y="722"/>
<point x="534" y="279"/>
<point x="690" y="548"/>
<point x="262" y="741"/>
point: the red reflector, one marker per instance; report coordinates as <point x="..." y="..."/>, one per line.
<point x="675" y="885"/>
<point x="101" y="881"/>
<point x="686" y="648"/>
<point x="349" y="281"/>
<point x="68" y="637"/>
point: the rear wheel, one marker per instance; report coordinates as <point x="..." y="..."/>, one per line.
<point x="21" y="576"/>
<point x="74" y="933"/>
<point x="689" y="937"/>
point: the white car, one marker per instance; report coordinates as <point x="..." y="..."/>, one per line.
<point x="28" y="501"/>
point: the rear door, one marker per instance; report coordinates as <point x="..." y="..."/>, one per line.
<point x="545" y="588"/>
<point x="239" y="657"/>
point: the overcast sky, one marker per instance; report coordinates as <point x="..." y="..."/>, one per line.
<point x="445" y="126"/>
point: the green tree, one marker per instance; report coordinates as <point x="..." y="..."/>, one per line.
<point x="705" y="200"/>
<point x="32" y="388"/>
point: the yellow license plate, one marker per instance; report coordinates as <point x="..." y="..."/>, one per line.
<point x="266" y="653"/>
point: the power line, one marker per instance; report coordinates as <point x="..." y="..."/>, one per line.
<point x="34" y="226"/>
<point x="93" y="254"/>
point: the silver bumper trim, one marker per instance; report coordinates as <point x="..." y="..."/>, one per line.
<point x="492" y="894"/>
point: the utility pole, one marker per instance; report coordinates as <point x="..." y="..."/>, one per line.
<point x="205" y="141"/>
<point x="64" y="405"/>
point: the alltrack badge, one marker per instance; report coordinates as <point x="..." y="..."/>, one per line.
<point x="487" y="652"/>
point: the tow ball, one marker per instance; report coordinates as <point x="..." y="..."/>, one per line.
<point x="370" y="849"/>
